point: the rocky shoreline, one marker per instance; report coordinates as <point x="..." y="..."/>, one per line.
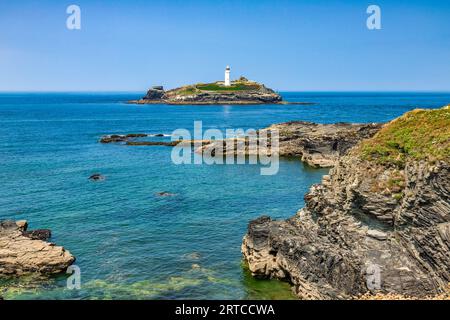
<point x="318" y="145"/>
<point x="24" y="252"/>
<point x="131" y="140"/>
<point x="378" y="223"/>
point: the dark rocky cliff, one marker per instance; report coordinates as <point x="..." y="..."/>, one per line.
<point x="383" y="211"/>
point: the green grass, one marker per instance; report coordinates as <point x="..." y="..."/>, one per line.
<point x="418" y="135"/>
<point x="187" y="91"/>
<point x="233" y="87"/>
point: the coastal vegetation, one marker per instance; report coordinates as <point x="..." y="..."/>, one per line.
<point x="417" y="135"/>
<point x="235" y="86"/>
<point x="384" y="206"/>
<point x="217" y="87"/>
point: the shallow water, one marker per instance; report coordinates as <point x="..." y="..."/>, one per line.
<point x="130" y="242"/>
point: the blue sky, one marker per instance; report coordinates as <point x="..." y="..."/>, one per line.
<point x="288" y="45"/>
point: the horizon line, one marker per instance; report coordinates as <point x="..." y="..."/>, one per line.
<point x="287" y="91"/>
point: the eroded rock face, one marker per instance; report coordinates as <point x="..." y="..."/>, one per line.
<point x="23" y="252"/>
<point x="262" y="96"/>
<point x="155" y="93"/>
<point x="319" y="145"/>
<point x="363" y="218"/>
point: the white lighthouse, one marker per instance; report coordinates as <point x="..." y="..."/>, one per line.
<point x="227" y="76"/>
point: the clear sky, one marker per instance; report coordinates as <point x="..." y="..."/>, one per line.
<point x="288" y="45"/>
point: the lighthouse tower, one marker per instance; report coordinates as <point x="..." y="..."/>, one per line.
<point x="227" y="76"/>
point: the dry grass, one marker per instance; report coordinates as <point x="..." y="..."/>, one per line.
<point x="419" y="135"/>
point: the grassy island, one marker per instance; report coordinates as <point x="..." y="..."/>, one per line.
<point x="240" y="91"/>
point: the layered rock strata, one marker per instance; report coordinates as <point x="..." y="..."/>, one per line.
<point x="379" y="222"/>
<point x="23" y="252"/>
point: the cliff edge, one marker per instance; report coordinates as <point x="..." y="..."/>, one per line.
<point x="378" y="223"/>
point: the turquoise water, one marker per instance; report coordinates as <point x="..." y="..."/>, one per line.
<point x="129" y="242"/>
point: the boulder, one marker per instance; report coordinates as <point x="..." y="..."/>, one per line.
<point x="38" y="234"/>
<point x="22" y="224"/>
<point x="165" y="194"/>
<point x="155" y="93"/>
<point x="377" y="234"/>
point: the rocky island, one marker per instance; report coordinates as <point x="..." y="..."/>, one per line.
<point x="378" y="223"/>
<point x="241" y="91"/>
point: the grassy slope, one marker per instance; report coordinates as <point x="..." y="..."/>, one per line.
<point x="208" y="87"/>
<point x="234" y="87"/>
<point x="417" y="135"/>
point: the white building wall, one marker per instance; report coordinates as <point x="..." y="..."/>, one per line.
<point x="227" y="77"/>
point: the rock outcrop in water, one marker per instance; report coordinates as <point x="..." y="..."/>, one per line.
<point x="23" y="252"/>
<point x="241" y="91"/>
<point x="133" y="140"/>
<point x="96" y="177"/>
<point x="380" y="222"/>
<point x="319" y="145"/>
<point x="114" y="138"/>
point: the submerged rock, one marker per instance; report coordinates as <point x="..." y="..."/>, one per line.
<point x="376" y="224"/>
<point x="193" y="256"/>
<point x="165" y="194"/>
<point x="23" y="252"/>
<point x="22" y="224"/>
<point x="97" y="177"/>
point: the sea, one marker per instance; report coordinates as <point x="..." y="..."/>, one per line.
<point x="129" y="241"/>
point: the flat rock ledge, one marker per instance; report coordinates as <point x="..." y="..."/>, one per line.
<point x="132" y="140"/>
<point x="23" y="252"/>
<point x="318" y="145"/>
